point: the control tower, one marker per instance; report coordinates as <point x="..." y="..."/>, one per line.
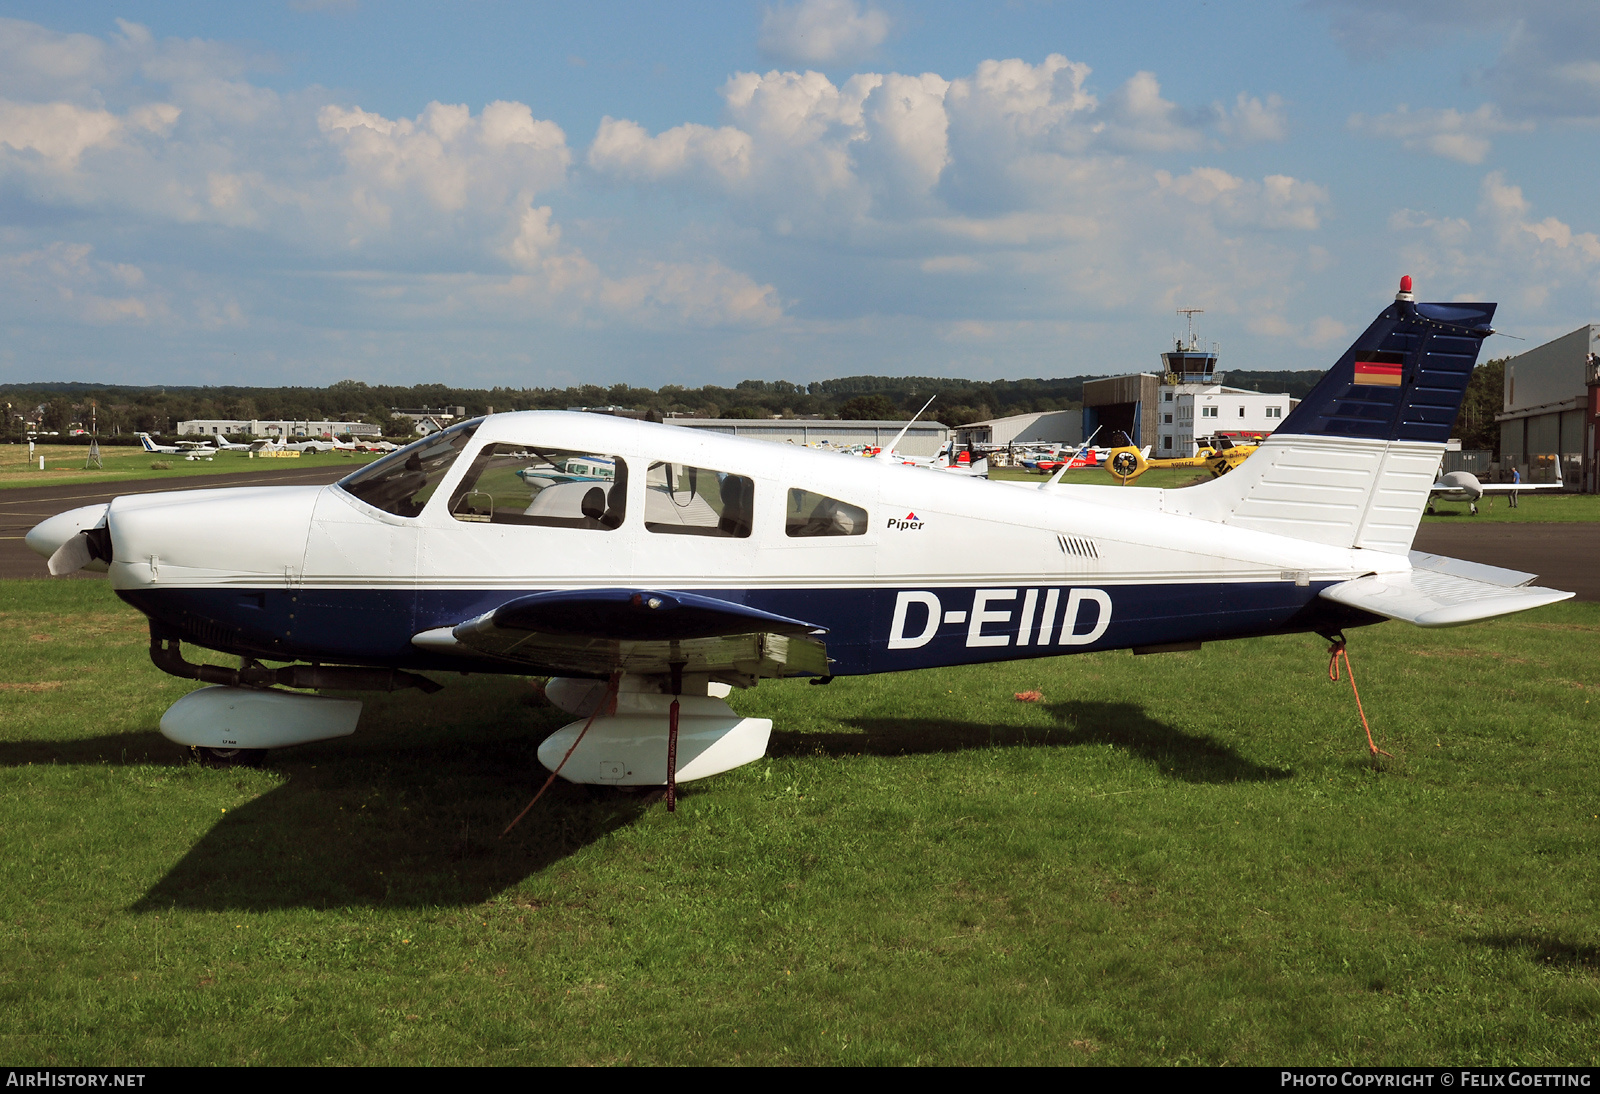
<point x="1187" y="362"/>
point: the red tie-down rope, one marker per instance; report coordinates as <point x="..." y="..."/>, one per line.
<point x="604" y="704"/>
<point x="1336" y="651"/>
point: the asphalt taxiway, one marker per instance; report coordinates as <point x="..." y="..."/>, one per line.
<point x="1565" y="556"/>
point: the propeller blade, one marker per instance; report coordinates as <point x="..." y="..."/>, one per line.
<point x="71" y="556"/>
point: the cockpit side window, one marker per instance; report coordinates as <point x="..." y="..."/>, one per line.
<point x="402" y="483"/>
<point x="549" y="487"/>
<point x="811" y="514"/>
<point x="696" y="501"/>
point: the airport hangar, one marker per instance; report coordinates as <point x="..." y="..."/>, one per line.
<point x="1550" y="411"/>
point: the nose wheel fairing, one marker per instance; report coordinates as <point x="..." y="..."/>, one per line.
<point x="226" y="718"/>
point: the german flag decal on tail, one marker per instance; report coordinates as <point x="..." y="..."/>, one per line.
<point x="1379" y="368"/>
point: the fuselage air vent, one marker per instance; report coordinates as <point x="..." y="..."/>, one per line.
<point x="1078" y="547"/>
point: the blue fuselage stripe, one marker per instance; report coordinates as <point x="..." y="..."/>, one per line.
<point x="869" y="630"/>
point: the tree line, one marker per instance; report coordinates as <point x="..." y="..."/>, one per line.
<point x="123" y="410"/>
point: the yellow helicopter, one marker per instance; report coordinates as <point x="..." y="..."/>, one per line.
<point x="1128" y="462"/>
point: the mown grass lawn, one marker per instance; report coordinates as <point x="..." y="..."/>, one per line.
<point x="64" y="464"/>
<point x="1181" y="858"/>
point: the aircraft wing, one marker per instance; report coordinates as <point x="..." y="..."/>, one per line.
<point x="1444" y="592"/>
<point x="1520" y="487"/>
<point x="640" y="631"/>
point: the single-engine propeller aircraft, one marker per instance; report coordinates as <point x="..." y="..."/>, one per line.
<point x="706" y="561"/>
<point x="189" y="450"/>
<point x="1465" y="486"/>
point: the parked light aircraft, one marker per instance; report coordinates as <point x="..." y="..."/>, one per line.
<point x="316" y="444"/>
<point x="946" y="459"/>
<point x="191" y="450"/>
<point x="711" y="560"/>
<point x="1464" y="486"/>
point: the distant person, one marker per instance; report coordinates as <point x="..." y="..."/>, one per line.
<point x="1516" y="480"/>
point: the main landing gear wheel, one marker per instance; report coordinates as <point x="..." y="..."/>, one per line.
<point x="229" y="757"/>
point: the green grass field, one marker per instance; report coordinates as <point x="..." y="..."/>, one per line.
<point x="63" y="464"/>
<point x="1173" y="859"/>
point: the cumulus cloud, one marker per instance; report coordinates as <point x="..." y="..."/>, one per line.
<point x="999" y="195"/>
<point x="626" y="150"/>
<point x="822" y="32"/>
<point x="1548" y="66"/>
<point x="58" y="132"/>
<point x="446" y="155"/>
<point x="1141" y="120"/>
<point x="167" y="132"/>
<point x="1549" y="242"/>
<point x="980" y="155"/>
<point x="1014" y="177"/>
<point x="1448" y="133"/>
<point x="1277" y="201"/>
<point x="1251" y="119"/>
<point x="708" y="294"/>
<point x="1537" y="261"/>
<point x="1321" y="333"/>
<point x="65" y="279"/>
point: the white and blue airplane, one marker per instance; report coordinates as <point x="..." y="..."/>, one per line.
<point x="708" y="562"/>
<point x="189" y="450"/>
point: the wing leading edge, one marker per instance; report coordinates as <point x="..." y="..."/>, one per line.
<point x="1444" y="592"/>
<point x="639" y="631"/>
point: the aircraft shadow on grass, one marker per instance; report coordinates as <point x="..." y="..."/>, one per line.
<point x="1183" y="755"/>
<point x="406" y="827"/>
<point x="1544" y="950"/>
<point x="402" y="818"/>
<point x="118" y="749"/>
<point x="410" y="819"/>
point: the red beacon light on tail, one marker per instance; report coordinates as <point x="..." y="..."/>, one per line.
<point x="1405" y="289"/>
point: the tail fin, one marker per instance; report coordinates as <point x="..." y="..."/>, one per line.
<point x="1351" y="465"/>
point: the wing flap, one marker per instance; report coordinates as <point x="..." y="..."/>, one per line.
<point x="1435" y="598"/>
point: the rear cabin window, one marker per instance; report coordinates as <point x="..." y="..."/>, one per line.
<point x="696" y="501"/>
<point x="812" y="514"/>
<point x="549" y="487"/>
<point x="402" y="483"/>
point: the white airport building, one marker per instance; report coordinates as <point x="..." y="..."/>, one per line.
<point x="1183" y="408"/>
<point x="1195" y="414"/>
<point x="281" y="428"/>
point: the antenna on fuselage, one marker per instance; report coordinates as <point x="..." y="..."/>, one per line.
<point x="901" y="435"/>
<point x="1062" y="470"/>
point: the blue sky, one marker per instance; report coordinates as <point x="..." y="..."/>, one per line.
<point x="540" y="195"/>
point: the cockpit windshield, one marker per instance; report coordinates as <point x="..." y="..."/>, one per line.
<point x="402" y="483"/>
